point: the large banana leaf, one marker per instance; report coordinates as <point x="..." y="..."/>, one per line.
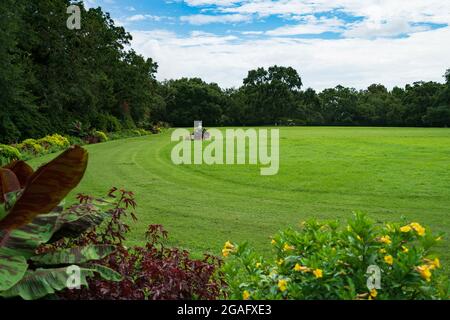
<point x="47" y="228"/>
<point x="43" y="282"/>
<point x="8" y="183"/>
<point x="74" y="255"/>
<point x="106" y="273"/>
<point x="78" y="219"/>
<point x="46" y="188"/>
<point x="22" y="171"/>
<point x="12" y="269"/>
<point x="9" y="200"/>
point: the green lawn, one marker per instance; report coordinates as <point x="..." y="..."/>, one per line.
<point x="324" y="173"/>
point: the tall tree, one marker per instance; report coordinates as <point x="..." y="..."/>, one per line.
<point x="270" y="95"/>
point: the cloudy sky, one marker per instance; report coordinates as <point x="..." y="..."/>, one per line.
<point x="350" y="42"/>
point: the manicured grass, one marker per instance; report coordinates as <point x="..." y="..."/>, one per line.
<point x="325" y="173"/>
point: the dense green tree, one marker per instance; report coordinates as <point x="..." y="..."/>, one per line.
<point x="339" y="105"/>
<point x="188" y="100"/>
<point x="417" y="99"/>
<point x="270" y="95"/>
<point x="437" y="116"/>
<point x="18" y="115"/>
<point x="51" y="76"/>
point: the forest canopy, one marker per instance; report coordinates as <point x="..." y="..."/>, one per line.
<point x="52" y="76"/>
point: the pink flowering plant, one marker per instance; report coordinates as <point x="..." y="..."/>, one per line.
<point x="326" y="261"/>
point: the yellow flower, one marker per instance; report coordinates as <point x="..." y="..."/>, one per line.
<point x="405" y="249"/>
<point x="425" y="272"/>
<point x="287" y="247"/>
<point x="435" y="264"/>
<point x="300" y="268"/>
<point x="228" y="245"/>
<point x="282" y="285"/>
<point x="382" y="250"/>
<point x="227" y="248"/>
<point x="405" y="229"/>
<point x="373" y="293"/>
<point x="246" y="295"/>
<point x="280" y="262"/>
<point x="258" y="264"/>
<point x="358" y="237"/>
<point x="318" y="273"/>
<point x="273" y="242"/>
<point x="418" y="228"/>
<point x="438" y="238"/>
<point x="388" y="259"/>
<point x="385" y="239"/>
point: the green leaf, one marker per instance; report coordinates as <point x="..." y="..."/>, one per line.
<point x="42" y="282"/>
<point x="51" y="227"/>
<point x="74" y="255"/>
<point x="71" y="223"/>
<point x="106" y="273"/>
<point x="12" y="269"/>
<point x="24" y="240"/>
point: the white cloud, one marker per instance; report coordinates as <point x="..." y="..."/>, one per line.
<point x="142" y="17"/>
<point x="196" y="3"/>
<point x="200" y="19"/>
<point x="252" y="33"/>
<point x="309" y="25"/>
<point x="390" y="28"/>
<point x="381" y="18"/>
<point x="130" y="8"/>
<point x="322" y="63"/>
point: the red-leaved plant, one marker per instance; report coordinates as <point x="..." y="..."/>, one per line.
<point x="152" y="271"/>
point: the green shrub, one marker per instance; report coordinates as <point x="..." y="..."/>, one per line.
<point x="32" y="218"/>
<point x="75" y="140"/>
<point x="322" y="261"/>
<point x="30" y="145"/>
<point x="102" y="137"/>
<point x="55" y="141"/>
<point x="8" y="154"/>
<point x="112" y="124"/>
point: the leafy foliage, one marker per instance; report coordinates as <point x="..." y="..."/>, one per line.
<point x="31" y="217"/>
<point x="42" y="60"/>
<point x="149" y="272"/>
<point x="8" y="154"/>
<point x="116" y="89"/>
<point x="322" y="261"/>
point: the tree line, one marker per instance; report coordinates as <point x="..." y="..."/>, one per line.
<point x="52" y="76"/>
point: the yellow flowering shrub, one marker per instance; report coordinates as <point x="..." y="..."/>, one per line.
<point x="101" y="136"/>
<point x="30" y="145"/>
<point x="327" y="261"/>
<point x="54" y="141"/>
<point x="8" y="154"/>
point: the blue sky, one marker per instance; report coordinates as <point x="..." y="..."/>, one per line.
<point x="330" y="42"/>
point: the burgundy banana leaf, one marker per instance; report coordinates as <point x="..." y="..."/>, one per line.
<point x="22" y="170"/>
<point x="47" y="187"/>
<point x="8" y="183"/>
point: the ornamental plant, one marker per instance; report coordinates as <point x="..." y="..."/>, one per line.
<point x="101" y="136"/>
<point x="153" y="271"/>
<point x="30" y="145"/>
<point x="326" y="261"/>
<point x="54" y="141"/>
<point x="30" y="216"/>
<point x="8" y="154"/>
